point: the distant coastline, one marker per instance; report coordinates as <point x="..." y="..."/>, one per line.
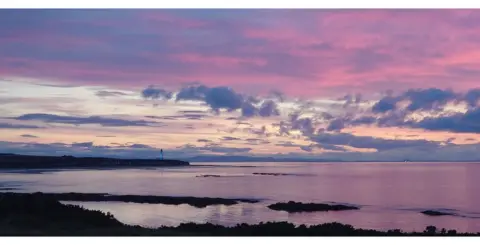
<point x="212" y="158"/>
<point x="14" y="161"/>
<point x="17" y="161"/>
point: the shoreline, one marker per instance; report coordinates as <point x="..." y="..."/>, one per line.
<point x="76" y="199"/>
<point x="42" y="215"/>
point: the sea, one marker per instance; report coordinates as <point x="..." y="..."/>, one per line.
<point x="391" y="195"/>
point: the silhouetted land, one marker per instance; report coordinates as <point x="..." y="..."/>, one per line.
<point x="208" y="176"/>
<point x="272" y="174"/>
<point x="42" y="215"/>
<point x="436" y="213"/>
<point x="293" y="207"/>
<point x="199" y="202"/>
<point x="13" y="161"/>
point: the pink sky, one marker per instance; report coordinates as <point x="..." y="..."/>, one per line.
<point x="71" y="65"/>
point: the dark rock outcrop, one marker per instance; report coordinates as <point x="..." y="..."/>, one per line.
<point x="293" y="207"/>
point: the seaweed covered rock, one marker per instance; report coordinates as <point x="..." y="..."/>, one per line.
<point x="293" y="207"/>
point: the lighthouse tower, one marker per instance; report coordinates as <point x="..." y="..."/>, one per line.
<point x="161" y="154"/>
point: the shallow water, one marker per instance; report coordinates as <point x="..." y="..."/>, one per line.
<point x="391" y="195"/>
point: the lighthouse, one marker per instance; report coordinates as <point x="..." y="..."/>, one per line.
<point x="161" y="154"/>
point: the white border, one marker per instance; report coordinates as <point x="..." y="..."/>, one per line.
<point x="240" y="4"/>
<point x="242" y="240"/>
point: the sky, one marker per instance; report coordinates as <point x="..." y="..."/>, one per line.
<point x="370" y="85"/>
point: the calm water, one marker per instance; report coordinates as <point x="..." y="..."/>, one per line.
<point x="391" y="194"/>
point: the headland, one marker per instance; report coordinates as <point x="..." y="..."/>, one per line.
<point x="14" y="161"/>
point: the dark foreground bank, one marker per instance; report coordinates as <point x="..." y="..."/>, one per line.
<point x="13" y="161"/>
<point x="42" y="215"/>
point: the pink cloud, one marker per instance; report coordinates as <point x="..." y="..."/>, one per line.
<point x="304" y="53"/>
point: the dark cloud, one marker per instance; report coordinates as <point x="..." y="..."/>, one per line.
<point x="28" y="136"/>
<point x="105" y="93"/>
<point x="367" y="142"/>
<point x="195" y="93"/>
<point x="419" y="99"/>
<point x="288" y="144"/>
<point x="156" y="93"/>
<point x="268" y="108"/>
<point x="326" y="116"/>
<point x="215" y="148"/>
<point x="176" y="117"/>
<point x="262" y="131"/>
<point x="104" y="121"/>
<point x="83" y="144"/>
<point x="194" y="116"/>
<point x="385" y="104"/>
<point x="330" y="147"/>
<point x="428" y="99"/>
<point x="188" y="112"/>
<point x="17" y="126"/>
<point x="229" y="138"/>
<point x="255" y="141"/>
<point x="304" y="125"/>
<point x="163" y="117"/>
<point x="310" y="148"/>
<point x="336" y="125"/>
<point x="226" y="98"/>
<point x="204" y="140"/>
<point x="249" y="110"/>
<point x="432" y="100"/>
<point x="340" y="123"/>
<point x="468" y="122"/>
<point x="252" y="99"/>
<point x="472" y="97"/>
<point x="223" y="98"/>
<point x="307" y="148"/>
<point x="363" y="120"/>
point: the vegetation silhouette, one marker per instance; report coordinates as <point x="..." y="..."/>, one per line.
<point x="293" y="207"/>
<point x="38" y="214"/>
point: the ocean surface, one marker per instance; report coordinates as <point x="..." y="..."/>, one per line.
<point x="391" y="195"/>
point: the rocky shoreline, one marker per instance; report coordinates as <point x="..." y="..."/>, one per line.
<point x="38" y="214"/>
